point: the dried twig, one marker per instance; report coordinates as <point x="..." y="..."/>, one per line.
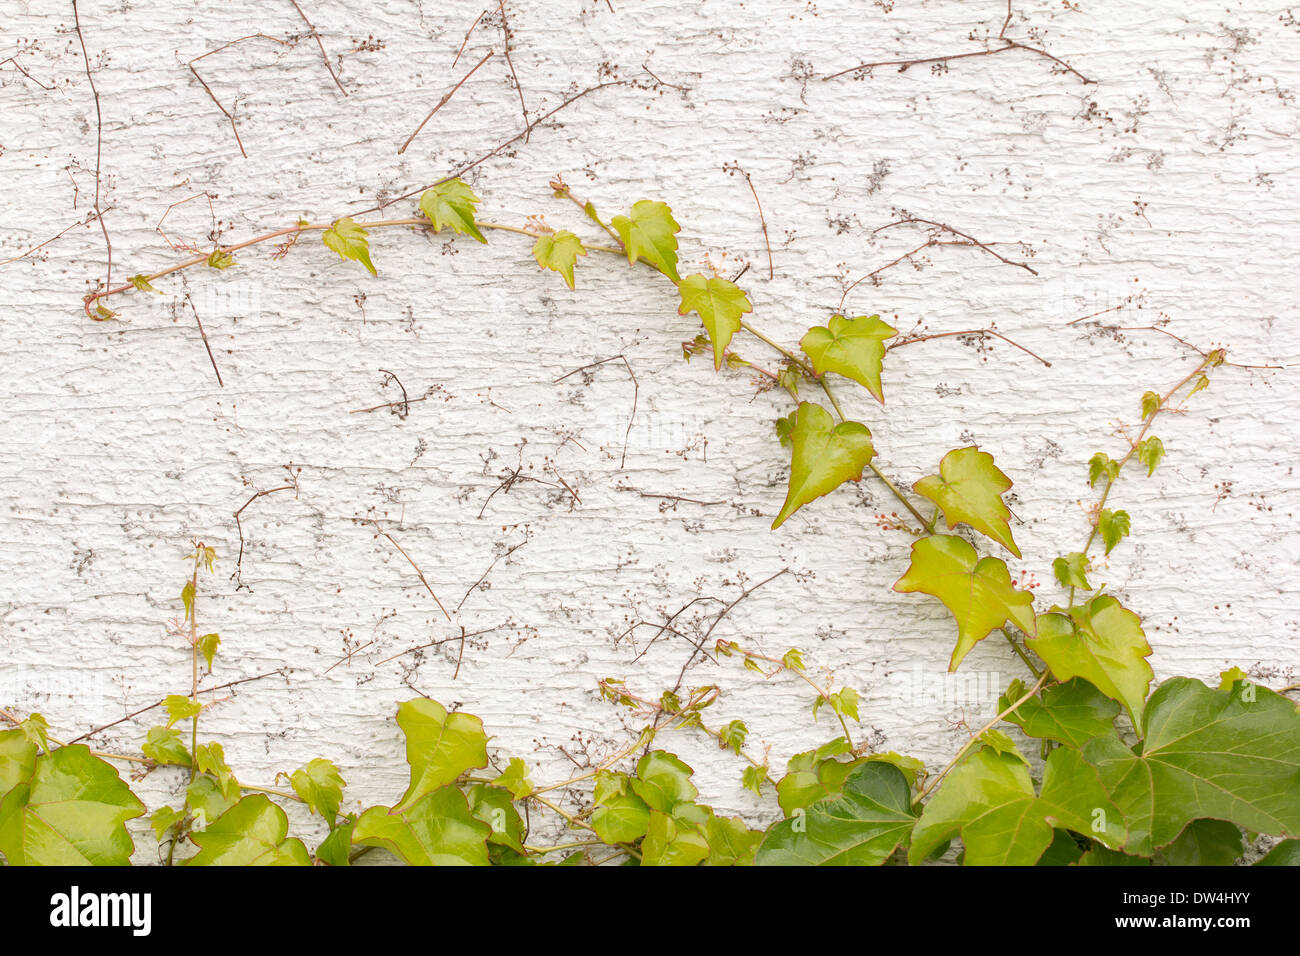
<point x="238" y="574"/>
<point x="505" y="34"/>
<point x="1007" y="44"/>
<point x="466" y="40"/>
<point x="732" y="169"/>
<point x="323" y="55"/>
<point x="987" y="247"/>
<point x="912" y="340"/>
<point x="443" y="102"/>
<point x="636" y="393"/>
<point x="411" y="561"/>
<point x="483" y="577"/>
<point x="213" y="96"/>
<point x="212" y="358"/>
<point x="99" y="148"/>
<point x="90" y="217"/>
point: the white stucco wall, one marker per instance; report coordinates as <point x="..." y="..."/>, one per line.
<point x="1169" y="185"/>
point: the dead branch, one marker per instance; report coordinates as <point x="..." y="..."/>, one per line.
<point x="731" y="170"/>
<point x="987" y="247"/>
<point x="505" y="35"/>
<point x="237" y="574"/>
<point x="212" y="358"/>
<point x="411" y="561"/>
<point x="466" y="40"/>
<point x="912" y="340"/>
<point x="483" y="577"/>
<point x="213" y="96"/>
<point x="99" y="147"/>
<point x="443" y="102"/>
<point x="636" y="393"/>
<point x="316" y="36"/>
<point x="1007" y="45"/>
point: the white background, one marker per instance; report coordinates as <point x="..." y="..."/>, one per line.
<point x="1164" y="192"/>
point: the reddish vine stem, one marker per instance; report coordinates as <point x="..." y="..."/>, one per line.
<point x="99" y="144"/>
<point x="443" y="102"/>
<point x="466" y="40"/>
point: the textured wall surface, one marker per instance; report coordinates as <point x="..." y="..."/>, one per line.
<point x="1161" y="194"/>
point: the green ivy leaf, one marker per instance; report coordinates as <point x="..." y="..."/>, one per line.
<point x="969" y="489"/>
<point x="348" y="238"/>
<point x="515" y="779"/>
<point x="1202" y="382"/>
<point x="187" y="599"/>
<point x="1225" y="755"/>
<point x="1114" y="527"/>
<point x="1286" y="853"/>
<point x="251" y="833"/>
<point x="620" y="815"/>
<point x="1204" y="843"/>
<point x="977" y="590"/>
<point x="439" y="746"/>
<point x="753" y="778"/>
<point x="65" y="808"/>
<point x="451" y="204"/>
<point x="650" y="233"/>
<point x="1150" y="404"/>
<point x="731" y="843"/>
<point x="814" y="775"/>
<point x="1071" y="571"/>
<point x="663" y="781"/>
<point x="164" y="745"/>
<point x="211" y="758"/>
<point x="732" y="736"/>
<point x="1231" y="676"/>
<point x="1103" y="643"/>
<point x="854" y="348"/>
<point x="336" y="848"/>
<point x="670" y="841"/>
<point x="863" y="826"/>
<point x="989" y="799"/>
<point x="206" y="799"/>
<point x="559" y="252"/>
<point x="1102" y="466"/>
<point x="320" y="785"/>
<point x="824" y="456"/>
<point x="1149" y="452"/>
<point x="436" y="830"/>
<point x="495" y="807"/>
<point x="163" y="819"/>
<point x="180" y="707"/>
<point x="1073" y="712"/>
<point x="719" y="304"/>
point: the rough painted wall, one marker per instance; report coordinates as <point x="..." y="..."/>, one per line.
<point x="1164" y="192"/>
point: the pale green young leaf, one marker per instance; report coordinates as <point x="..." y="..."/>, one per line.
<point x="36" y="729"/>
<point x="1102" y="466"/>
<point x="210" y="758"/>
<point x="440" y="746"/>
<point x="753" y="778"/>
<point x="731" y="842"/>
<point x="670" y="841"/>
<point x="969" y="490"/>
<point x="1150" y="404"/>
<point x="559" y="252"/>
<point x="620" y="815"/>
<point x="451" y="204"/>
<point x="515" y="779"/>
<point x="1071" y="571"/>
<point x="1114" y="527"/>
<point x="254" y="832"/>
<point x="814" y="775"/>
<point x="320" y="785"/>
<point x="823" y="456"/>
<point x="164" y="745"/>
<point x="163" y="819"/>
<point x="142" y="283"/>
<point x="793" y="659"/>
<point x="180" y="707"/>
<point x="1231" y="676"/>
<point x="220" y="259"/>
<point x="854" y="348"/>
<point x="1149" y="452"/>
<point x="977" y="590"/>
<point x="719" y="304"/>
<point x="208" y="645"/>
<point x="1102" y="642"/>
<point x="650" y="232"/>
<point x="732" y="736"/>
<point x="663" y="781"/>
<point x="349" y="239"/>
